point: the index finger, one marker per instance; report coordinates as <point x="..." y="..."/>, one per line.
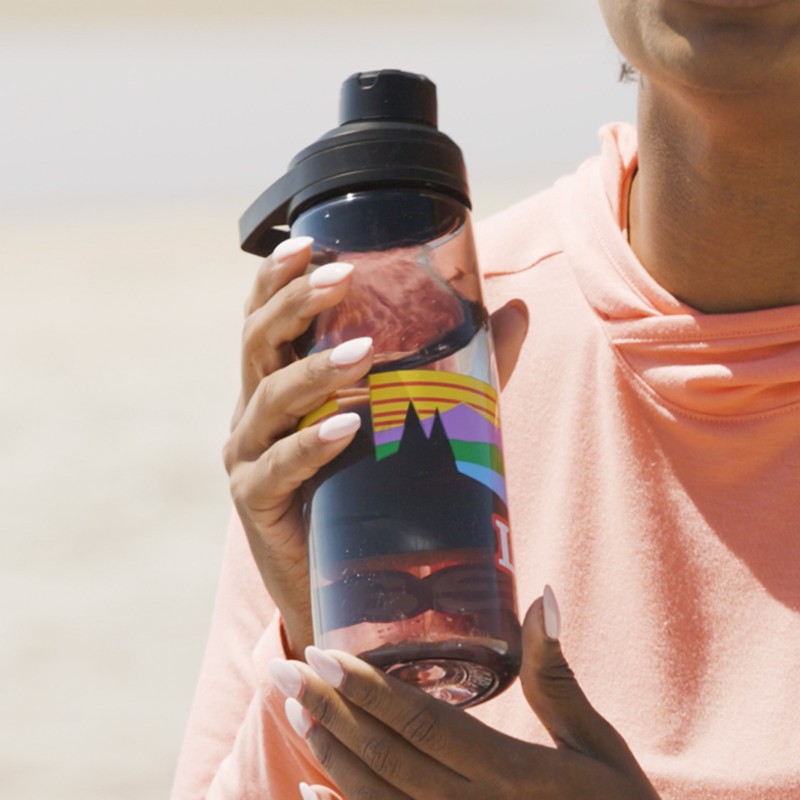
<point x="288" y="260"/>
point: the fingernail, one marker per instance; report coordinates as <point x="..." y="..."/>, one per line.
<point x="290" y="247"/>
<point x="307" y="793"/>
<point x="338" y="427"/>
<point x="329" y="274"/>
<point x="300" y="720"/>
<point x="326" y="666"/>
<point x="552" y="616"/>
<point x="351" y="351"/>
<point x="286" y="677"/>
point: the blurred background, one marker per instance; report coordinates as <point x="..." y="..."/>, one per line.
<point x="132" y="138"/>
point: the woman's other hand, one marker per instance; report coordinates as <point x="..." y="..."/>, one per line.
<point x="378" y="737"/>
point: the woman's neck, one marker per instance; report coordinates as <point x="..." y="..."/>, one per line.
<point x="715" y="204"/>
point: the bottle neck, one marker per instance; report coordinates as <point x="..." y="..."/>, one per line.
<point x="380" y="219"/>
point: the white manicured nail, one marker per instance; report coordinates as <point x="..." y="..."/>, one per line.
<point x="290" y="247"/>
<point x="298" y="717"/>
<point x="329" y="274"/>
<point x="552" y="616"/>
<point x="351" y="351"/>
<point x="307" y="793"/>
<point x="286" y="677"/>
<point x="339" y="426"/>
<point x="326" y="666"/>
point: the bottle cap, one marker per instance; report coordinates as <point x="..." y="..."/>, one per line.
<point x="387" y="137"/>
<point x="388" y="94"/>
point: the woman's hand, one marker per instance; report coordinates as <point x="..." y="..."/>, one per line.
<point x="379" y="738"/>
<point x="266" y="457"/>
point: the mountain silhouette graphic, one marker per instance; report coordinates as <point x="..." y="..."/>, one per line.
<point x="414" y="500"/>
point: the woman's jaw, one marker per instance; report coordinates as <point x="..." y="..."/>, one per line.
<point x="720" y="47"/>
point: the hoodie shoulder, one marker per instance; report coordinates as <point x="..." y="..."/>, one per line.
<point x="519" y="237"/>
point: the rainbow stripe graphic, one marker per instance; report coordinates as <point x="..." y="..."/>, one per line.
<point x="466" y="406"/>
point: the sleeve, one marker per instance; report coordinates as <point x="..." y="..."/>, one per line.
<point x="237" y="742"/>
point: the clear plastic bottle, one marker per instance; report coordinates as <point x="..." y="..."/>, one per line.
<point x="409" y="533"/>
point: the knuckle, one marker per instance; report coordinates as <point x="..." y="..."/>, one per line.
<point x="247" y="305"/>
<point x="422" y="729"/>
<point x="366" y="793"/>
<point x="265" y="277"/>
<point x="310" y="370"/>
<point x="252" y="367"/>
<point x="313" y="372"/>
<point x="239" y="487"/>
<point x="229" y="454"/>
<point x="272" y="399"/>
<point x="272" y="474"/>
<point x="557" y="678"/>
<point x="304" y="449"/>
<point x="367" y="696"/>
<point x="238" y="412"/>
<point x="378" y="756"/>
<point x="326" y="754"/>
<point x="266" y="391"/>
<point x="256" y="342"/>
<point x="324" y="712"/>
<point x="319" y="367"/>
<point x="249" y="329"/>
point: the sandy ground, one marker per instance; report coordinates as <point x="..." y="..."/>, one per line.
<point x="127" y="153"/>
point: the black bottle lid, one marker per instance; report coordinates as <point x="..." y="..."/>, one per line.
<point x="387" y="138"/>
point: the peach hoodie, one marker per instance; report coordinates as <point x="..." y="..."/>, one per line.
<point x="654" y="462"/>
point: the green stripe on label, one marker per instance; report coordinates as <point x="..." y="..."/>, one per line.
<point x="482" y="453"/>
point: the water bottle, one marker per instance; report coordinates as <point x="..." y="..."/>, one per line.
<point x="409" y="536"/>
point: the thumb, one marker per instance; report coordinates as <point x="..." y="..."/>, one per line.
<point x="553" y="692"/>
<point x="509" y="329"/>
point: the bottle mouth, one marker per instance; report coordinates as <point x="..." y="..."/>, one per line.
<point x="388" y="94"/>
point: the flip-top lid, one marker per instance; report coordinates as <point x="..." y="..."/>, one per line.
<point x="387" y="137"/>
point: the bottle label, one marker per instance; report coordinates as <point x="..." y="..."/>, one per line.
<point x="460" y="409"/>
<point x="463" y="410"/>
<point x="424" y="473"/>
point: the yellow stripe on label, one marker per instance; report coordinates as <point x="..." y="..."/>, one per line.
<point x="431" y="376"/>
<point x="323" y="412"/>
<point x="429" y="391"/>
